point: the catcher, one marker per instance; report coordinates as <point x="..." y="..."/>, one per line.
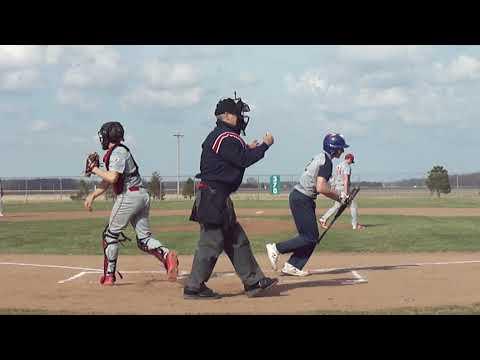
<point x="132" y="204"/>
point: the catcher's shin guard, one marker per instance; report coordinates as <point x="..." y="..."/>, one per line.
<point x="158" y="252"/>
<point x="110" y="255"/>
<point x="167" y="257"/>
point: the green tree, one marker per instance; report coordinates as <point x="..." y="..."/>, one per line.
<point x="437" y="181"/>
<point x="188" y="188"/>
<point x="155" y="188"/>
<point x="251" y="183"/>
<point x="84" y="189"/>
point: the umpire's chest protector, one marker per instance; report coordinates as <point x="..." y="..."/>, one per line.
<point x="213" y="165"/>
<point x="219" y="179"/>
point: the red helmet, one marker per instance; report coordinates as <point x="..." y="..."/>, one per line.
<point x="351" y="157"/>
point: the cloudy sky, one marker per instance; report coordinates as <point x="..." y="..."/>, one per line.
<point x="403" y="109"/>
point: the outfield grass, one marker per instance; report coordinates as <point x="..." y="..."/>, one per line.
<point x="384" y="233"/>
<point x="363" y="201"/>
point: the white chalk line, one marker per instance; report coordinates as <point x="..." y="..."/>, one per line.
<point x="73" y="277"/>
<point x="51" y="266"/>
<point x="79" y="275"/>
<point x="372" y="267"/>
<point x="353" y="269"/>
<point x="358" y="279"/>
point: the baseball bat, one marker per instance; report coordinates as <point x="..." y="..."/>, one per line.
<point x="340" y="210"/>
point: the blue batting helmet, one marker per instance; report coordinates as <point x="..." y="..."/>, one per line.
<point x="333" y="142"/>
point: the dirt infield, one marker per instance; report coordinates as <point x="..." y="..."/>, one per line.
<point x="73" y="215"/>
<point x="341" y="282"/>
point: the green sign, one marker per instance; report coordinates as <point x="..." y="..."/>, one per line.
<point x="275" y="184"/>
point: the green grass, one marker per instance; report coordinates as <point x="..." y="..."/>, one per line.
<point x="385" y="233"/>
<point x="449" y="201"/>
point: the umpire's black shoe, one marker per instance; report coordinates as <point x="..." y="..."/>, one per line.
<point x="256" y="289"/>
<point x="203" y="294"/>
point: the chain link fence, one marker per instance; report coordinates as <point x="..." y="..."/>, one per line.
<point x="254" y="187"/>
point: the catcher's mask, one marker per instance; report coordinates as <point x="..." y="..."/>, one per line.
<point x="236" y="107"/>
<point x="110" y="132"/>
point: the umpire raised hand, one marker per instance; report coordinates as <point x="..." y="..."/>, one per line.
<point x="225" y="156"/>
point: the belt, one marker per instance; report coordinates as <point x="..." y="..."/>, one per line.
<point x="201" y="185"/>
<point x="134" y="188"/>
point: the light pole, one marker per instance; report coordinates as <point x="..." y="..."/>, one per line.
<point x="178" y="136"/>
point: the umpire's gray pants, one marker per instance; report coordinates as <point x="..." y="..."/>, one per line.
<point x="215" y="239"/>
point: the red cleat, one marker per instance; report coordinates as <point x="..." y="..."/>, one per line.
<point x="171" y="264"/>
<point x="107" y="280"/>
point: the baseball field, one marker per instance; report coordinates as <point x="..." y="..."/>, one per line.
<point x="417" y="255"/>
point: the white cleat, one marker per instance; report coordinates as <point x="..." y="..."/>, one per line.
<point x="273" y="254"/>
<point x="289" y="269"/>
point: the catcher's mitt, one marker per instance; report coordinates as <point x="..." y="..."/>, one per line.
<point x="93" y="160"/>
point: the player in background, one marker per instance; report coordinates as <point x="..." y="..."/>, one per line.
<point x="341" y="184"/>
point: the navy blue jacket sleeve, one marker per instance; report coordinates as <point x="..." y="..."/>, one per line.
<point x="239" y="155"/>
<point x="325" y="172"/>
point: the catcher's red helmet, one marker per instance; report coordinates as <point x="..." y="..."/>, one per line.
<point x="351" y="157"/>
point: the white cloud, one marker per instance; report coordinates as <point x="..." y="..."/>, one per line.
<point x="91" y="68"/>
<point x="312" y="82"/>
<point x="14" y="56"/>
<point x="40" y="125"/>
<point x="163" y="75"/>
<point x="164" y="98"/>
<point x="53" y="53"/>
<point x="169" y="85"/>
<point x="387" y="97"/>
<point x="97" y="67"/>
<point x="376" y="53"/>
<point x="247" y="78"/>
<point x="432" y="106"/>
<point x="19" y="80"/>
<point x="461" y="68"/>
<point x="76" y="98"/>
<point x="346" y="126"/>
<point x="195" y="52"/>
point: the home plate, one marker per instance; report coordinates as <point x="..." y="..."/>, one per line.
<point x="259" y="212"/>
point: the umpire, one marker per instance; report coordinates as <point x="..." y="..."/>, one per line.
<point x="225" y="156"/>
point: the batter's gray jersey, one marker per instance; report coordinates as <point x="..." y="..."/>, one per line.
<point x="121" y="161"/>
<point x="320" y="165"/>
<point x="341" y="170"/>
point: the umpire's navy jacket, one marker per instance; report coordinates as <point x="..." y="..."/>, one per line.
<point x="224" y="158"/>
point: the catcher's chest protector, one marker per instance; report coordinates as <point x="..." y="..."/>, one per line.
<point x="118" y="186"/>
